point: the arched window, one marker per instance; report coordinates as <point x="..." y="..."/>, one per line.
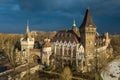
<point x="58" y="50"/>
<point x="61" y="51"/>
<point x="74" y="51"/>
<point x="69" y="51"/>
<point x="66" y="51"/>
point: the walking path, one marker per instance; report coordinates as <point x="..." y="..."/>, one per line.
<point x="112" y="70"/>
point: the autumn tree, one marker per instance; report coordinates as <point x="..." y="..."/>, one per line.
<point x="115" y="42"/>
<point x="66" y="74"/>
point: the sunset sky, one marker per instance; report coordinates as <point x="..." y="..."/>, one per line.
<point x="53" y="15"/>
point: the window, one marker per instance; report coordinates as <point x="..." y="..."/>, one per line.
<point x="69" y="52"/>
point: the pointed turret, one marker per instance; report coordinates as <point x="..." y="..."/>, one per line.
<point x="74" y="24"/>
<point x="74" y="27"/>
<point x="87" y="22"/>
<point x="27" y="34"/>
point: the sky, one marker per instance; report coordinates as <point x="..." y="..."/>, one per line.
<point x="53" y="15"/>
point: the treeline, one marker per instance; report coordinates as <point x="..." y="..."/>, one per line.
<point x="42" y="35"/>
<point x="115" y="42"/>
<point x="6" y="39"/>
<point x="12" y="39"/>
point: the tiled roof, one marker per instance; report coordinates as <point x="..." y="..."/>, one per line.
<point x="66" y="35"/>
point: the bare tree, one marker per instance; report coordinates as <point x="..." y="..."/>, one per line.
<point x="10" y="53"/>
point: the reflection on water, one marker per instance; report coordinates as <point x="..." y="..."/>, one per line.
<point x="3" y="69"/>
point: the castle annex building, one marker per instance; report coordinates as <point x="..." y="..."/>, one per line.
<point x="28" y="52"/>
<point x="81" y="48"/>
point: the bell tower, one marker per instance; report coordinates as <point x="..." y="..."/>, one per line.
<point x="87" y="35"/>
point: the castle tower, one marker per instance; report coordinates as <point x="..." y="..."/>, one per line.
<point x="46" y="52"/>
<point x="27" y="41"/>
<point x="87" y="34"/>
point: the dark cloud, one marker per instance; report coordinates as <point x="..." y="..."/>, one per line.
<point x="99" y="7"/>
<point x="58" y="14"/>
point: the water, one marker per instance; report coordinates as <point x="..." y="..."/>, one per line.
<point x="3" y="69"/>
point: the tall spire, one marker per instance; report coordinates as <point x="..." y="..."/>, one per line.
<point x="27" y="34"/>
<point x="27" y="29"/>
<point x="87" y="22"/>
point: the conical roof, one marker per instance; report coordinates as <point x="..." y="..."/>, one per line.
<point x="87" y="21"/>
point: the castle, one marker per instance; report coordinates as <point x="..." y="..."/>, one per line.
<point x="79" y="47"/>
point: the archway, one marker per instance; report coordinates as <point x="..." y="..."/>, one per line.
<point x="34" y="59"/>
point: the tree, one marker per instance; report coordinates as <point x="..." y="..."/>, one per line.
<point x="66" y="74"/>
<point x="10" y="53"/>
<point x="115" y="42"/>
<point x="34" y="76"/>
